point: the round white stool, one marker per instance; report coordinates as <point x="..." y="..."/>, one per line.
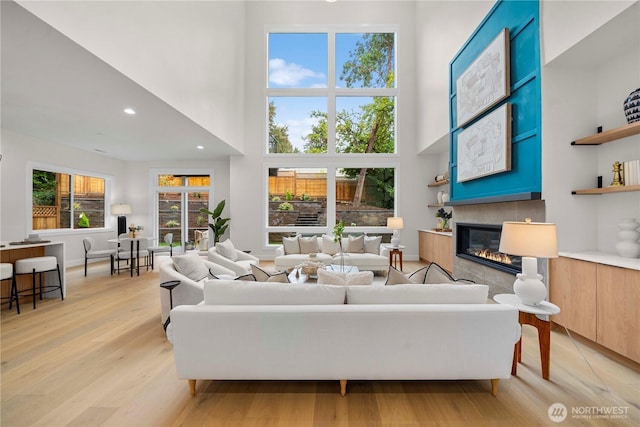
<point x="39" y="265"/>
<point x="6" y="273"/>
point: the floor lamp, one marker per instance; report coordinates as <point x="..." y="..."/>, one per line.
<point x="530" y="240"/>
<point x="121" y="210"/>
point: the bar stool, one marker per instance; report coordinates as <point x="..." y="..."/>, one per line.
<point x="39" y="265"/>
<point x="6" y="273"/>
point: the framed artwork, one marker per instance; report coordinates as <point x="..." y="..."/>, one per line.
<point x="485" y="82"/>
<point x="484" y="148"/>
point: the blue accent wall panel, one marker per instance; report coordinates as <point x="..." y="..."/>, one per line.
<point x="522" y="20"/>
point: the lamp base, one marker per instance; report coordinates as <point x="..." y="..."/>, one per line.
<point x="528" y="285"/>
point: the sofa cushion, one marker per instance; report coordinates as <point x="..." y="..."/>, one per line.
<point x="249" y="277"/>
<point x="226" y="292"/>
<point x="372" y="244"/>
<point x="420" y="275"/>
<point x="355" y="244"/>
<point x="227" y="250"/>
<point x="191" y="266"/>
<point x="329" y="247"/>
<point x="291" y="245"/>
<point x="444" y="293"/>
<point x="308" y="245"/>
<point x="262" y="275"/>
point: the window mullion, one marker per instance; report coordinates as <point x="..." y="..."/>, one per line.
<point x="331" y="93"/>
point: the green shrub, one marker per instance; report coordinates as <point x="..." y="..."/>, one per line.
<point x="285" y="206"/>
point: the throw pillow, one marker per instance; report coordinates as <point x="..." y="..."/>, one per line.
<point x="437" y="274"/>
<point x="329" y="247"/>
<point x="308" y="245"/>
<point x="262" y="275"/>
<point x="291" y="245"/>
<point x="355" y="245"/>
<point x="359" y="278"/>
<point x="191" y="266"/>
<point x="246" y="277"/>
<point x="419" y="276"/>
<point x="372" y="244"/>
<point x="227" y="250"/>
<point x="328" y="277"/>
<point x="397" y="277"/>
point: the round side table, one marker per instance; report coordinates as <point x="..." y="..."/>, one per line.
<point x="528" y="315"/>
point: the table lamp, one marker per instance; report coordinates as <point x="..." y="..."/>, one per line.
<point x="121" y="210"/>
<point x="395" y="223"/>
<point x="530" y="240"/>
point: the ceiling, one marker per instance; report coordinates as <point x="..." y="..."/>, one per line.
<point x="55" y="90"/>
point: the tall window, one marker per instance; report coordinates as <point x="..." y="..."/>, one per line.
<point x="179" y="198"/>
<point x="331" y="98"/>
<point x="67" y="199"/>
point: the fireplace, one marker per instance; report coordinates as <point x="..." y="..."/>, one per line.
<point x="479" y="243"/>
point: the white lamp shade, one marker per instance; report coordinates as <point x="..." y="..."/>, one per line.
<point x="120" y="209"/>
<point x="395" y="223"/>
<point x="529" y="239"/>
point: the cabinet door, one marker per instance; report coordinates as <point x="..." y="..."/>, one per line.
<point x="443" y="252"/>
<point x="423" y="246"/>
<point x="618" y="305"/>
<point x="572" y="287"/>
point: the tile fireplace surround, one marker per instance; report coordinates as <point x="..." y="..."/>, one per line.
<point x="495" y="213"/>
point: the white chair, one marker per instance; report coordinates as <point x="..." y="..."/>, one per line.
<point x="132" y="250"/>
<point x="89" y="253"/>
<point x="241" y="265"/>
<point x="168" y="239"/>
<point x="6" y="273"/>
<point x="39" y="265"/>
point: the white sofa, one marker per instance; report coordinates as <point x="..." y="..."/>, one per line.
<point x="189" y="291"/>
<point x="271" y="331"/>
<point x="378" y="261"/>
<point x="240" y="265"/>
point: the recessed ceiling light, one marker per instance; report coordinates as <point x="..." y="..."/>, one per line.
<point x="129" y="111"/>
<point x="199" y="147"/>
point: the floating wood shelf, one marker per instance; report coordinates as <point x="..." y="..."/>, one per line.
<point x="435" y="206"/>
<point x="609" y="135"/>
<point x="605" y="190"/>
<point x="439" y="183"/>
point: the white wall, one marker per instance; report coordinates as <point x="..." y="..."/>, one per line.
<point x="442" y="27"/>
<point x="17" y="151"/>
<point x="248" y="174"/>
<point x="187" y="53"/>
<point x="584" y="88"/>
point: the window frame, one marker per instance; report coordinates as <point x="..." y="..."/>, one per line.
<point x="332" y="160"/>
<point x="108" y="196"/>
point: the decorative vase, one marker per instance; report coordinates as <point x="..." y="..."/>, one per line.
<point x="445" y="224"/>
<point x="632" y="106"/>
<point x="440" y="193"/>
<point x="132" y="234"/>
<point x="628" y="245"/>
<point x="445" y="197"/>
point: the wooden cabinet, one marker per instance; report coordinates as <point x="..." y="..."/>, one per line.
<point x="618" y="297"/>
<point x="572" y="287"/>
<point x="599" y="302"/>
<point x="436" y="247"/>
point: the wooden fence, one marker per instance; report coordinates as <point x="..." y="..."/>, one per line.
<point x="46" y="217"/>
<point x="312" y="187"/>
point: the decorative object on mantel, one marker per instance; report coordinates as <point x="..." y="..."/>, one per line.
<point x="632" y="107"/>
<point x="440" y="193"/>
<point x="443" y="220"/>
<point x="529" y="240"/>
<point x="628" y="245"/>
<point x="617" y="175"/>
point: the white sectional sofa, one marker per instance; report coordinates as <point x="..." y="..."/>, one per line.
<point x="364" y="252"/>
<point x="272" y="331"/>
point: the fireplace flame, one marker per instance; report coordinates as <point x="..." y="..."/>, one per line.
<point x="492" y="255"/>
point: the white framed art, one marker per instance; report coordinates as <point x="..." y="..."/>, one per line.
<point x="484" y="148"/>
<point x="485" y="82"/>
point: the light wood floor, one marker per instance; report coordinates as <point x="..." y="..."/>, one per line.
<point x="100" y="358"/>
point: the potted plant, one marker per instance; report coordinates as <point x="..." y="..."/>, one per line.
<point x="219" y="225"/>
<point x="443" y="220"/>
